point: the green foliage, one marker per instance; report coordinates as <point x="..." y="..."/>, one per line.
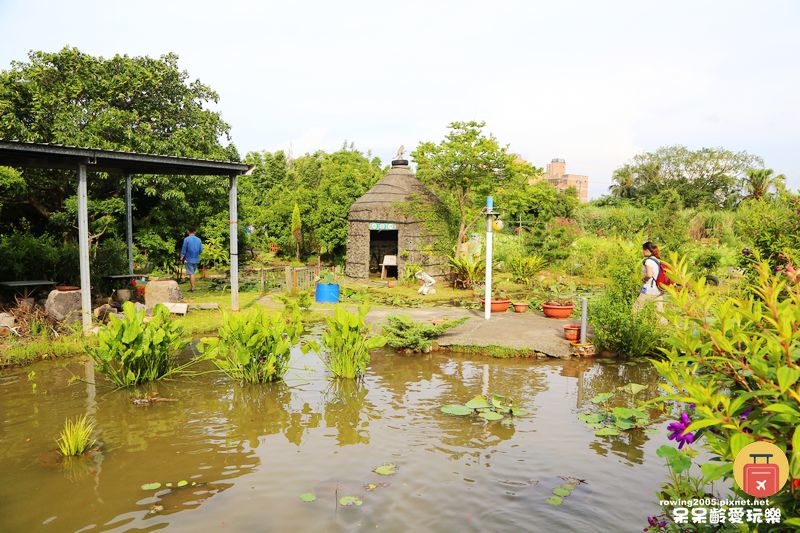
<point x="771" y="227"/>
<point x="297" y="230"/>
<point x="26" y="256"/>
<point x="552" y="240"/>
<point x="347" y="342"/>
<point x="403" y="333"/>
<point x="490" y="409"/>
<point x="254" y="347"/>
<point x="463" y="169"/>
<point x="615" y="326"/>
<point x="131" y="351"/>
<point x="467" y="271"/>
<point x="76" y="437"/>
<point x="523" y="269"/>
<point x="215" y="254"/>
<point x="628" y="414"/>
<point x="735" y="357"/>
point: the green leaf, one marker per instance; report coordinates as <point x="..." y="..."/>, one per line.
<point x="349" y="500"/>
<point x="498" y="402"/>
<point x="516" y="411"/>
<point x="702" y="423"/>
<point x="308" y="497"/>
<point x="593" y="418"/>
<point x="607" y="432"/>
<point x="623" y="412"/>
<point x="666" y="451"/>
<point x="783" y="409"/>
<point x="739" y="441"/>
<point x="624" y="424"/>
<point x="602" y="398"/>
<point x="386" y="470"/>
<point x="555" y="500"/>
<point x="456" y="409"/>
<point x="491" y="415"/>
<point x="714" y="471"/>
<point x="562" y="491"/>
<point x="792" y="522"/>
<point x="632" y="388"/>
<point x="787" y="377"/>
<point x="151" y="486"/>
<point x="182" y="483"/>
<point x="478" y="402"/>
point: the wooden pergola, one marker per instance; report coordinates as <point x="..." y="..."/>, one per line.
<point x="85" y="160"/>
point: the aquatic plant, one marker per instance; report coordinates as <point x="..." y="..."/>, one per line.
<point x="347" y="342"/>
<point x="254" y="347"/>
<point x="76" y="437"/>
<point x="403" y="333"/>
<point x="131" y="351"/>
<point x="611" y="421"/>
<point x="498" y="408"/>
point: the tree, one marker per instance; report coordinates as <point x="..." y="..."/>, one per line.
<point x="297" y="231"/>
<point x="758" y="182"/>
<point x="123" y="103"/>
<point x="462" y="169"/>
<point x="704" y="177"/>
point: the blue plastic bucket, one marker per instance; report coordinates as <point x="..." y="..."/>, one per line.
<point x="327" y="293"/>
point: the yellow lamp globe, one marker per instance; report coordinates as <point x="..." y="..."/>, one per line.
<point x="497" y="224"/>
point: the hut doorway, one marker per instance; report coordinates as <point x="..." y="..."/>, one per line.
<point x="382" y="243"/>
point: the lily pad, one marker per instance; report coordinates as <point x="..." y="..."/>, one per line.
<point x="632" y="388"/>
<point x="602" y="398"/>
<point x="386" y="470"/>
<point x="516" y="411"/>
<point x="498" y="402"/>
<point x="182" y="483"/>
<point x="151" y="486"/>
<point x="555" y="500"/>
<point x="349" y="500"/>
<point x="624" y="412"/>
<point x="624" y="424"/>
<point x="308" y="496"/>
<point x="593" y="418"/>
<point x="491" y="415"/>
<point x="456" y="409"/>
<point x="607" y="432"/>
<point x="371" y="486"/>
<point x="562" y="491"/>
<point x="478" y="402"/>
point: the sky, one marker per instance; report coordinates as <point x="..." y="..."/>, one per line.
<point x="590" y="82"/>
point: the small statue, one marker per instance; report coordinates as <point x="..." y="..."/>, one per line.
<point x="400" y="152"/>
<point x="427" y="283"/>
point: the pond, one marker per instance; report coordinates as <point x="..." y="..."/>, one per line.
<point x="247" y="453"/>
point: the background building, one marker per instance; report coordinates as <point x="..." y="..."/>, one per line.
<point x="557" y="176"/>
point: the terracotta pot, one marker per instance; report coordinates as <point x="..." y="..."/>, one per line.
<point x="67" y="288"/>
<point x="497" y="305"/>
<point x="390" y="284"/>
<point x="572" y="332"/>
<point x="520" y="307"/>
<point x="557" y="311"/>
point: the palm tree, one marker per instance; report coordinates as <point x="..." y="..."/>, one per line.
<point x="759" y="181"/>
<point x="625" y="182"/>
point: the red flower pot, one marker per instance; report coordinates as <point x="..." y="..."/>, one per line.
<point x="557" y="311"/>
<point x="572" y="332"/>
<point x="498" y="305"/>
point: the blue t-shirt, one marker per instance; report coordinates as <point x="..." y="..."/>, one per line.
<point x="192" y="246"/>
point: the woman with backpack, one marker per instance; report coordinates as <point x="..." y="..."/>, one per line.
<point x="652" y="270"/>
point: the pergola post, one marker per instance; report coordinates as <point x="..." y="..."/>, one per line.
<point x="83" y="248"/>
<point x="234" y="228"/>
<point x="129" y="222"/>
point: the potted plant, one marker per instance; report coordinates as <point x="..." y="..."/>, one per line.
<point x="499" y="303"/>
<point x="560" y="304"/>
<point x="572" y="332"/>
<point x="327" y="290"/>
<point x="520" y="307"/>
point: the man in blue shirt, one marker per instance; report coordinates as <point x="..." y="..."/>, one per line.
<point x="190" y="254"/>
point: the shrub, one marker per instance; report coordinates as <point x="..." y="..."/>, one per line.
<point x="347" y="342"/>
<point x="254" y="347"/>
<point x="403" y="333"/>
<point x="615" y="326"/>
<point x="467" y="271"/>
<point x="735" y="358"/>
<point x="771" y="227"/>
<point x="76" y="437"/>
<point x="26" y="256"/>
<point x="131" y="351"/>
<point x="523" y="269"/>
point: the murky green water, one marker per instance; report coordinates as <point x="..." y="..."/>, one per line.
<point x="253" y="450"/>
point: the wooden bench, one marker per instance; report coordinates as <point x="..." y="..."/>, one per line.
<point x="388" y="260"/>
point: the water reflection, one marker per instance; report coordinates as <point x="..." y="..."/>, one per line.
<point x="348" y="411"/>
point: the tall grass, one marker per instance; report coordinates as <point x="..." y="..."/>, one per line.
<point x="76" y="437"/>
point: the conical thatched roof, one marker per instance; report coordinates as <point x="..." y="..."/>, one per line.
<point x="382" y="201"/>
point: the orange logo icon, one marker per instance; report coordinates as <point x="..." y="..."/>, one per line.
<point x="761" y="469"/>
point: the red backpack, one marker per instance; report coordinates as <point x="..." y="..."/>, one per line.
<point x="662" y="280"/>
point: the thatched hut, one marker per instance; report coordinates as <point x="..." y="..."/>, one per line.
<point x="381" y="224"/>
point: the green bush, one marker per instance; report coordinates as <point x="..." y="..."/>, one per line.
<point x="735" y="358"/>
<point x="131" y="351"/>
<point x="347" y="342"/>
<point x="552" y="240"/>
<point x="76" y="437"/>
<point x="254" y="347"/>
<point x="523" y="269"/>
<point x="403" y="333"/>
<point x="467" y="271"/>
<point x="771" y="227"/>
<point x="615" y="326"/>
<point x="27" y="256"/>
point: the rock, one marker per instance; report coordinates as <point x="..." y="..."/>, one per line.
<point x="208" y="306"/>
<point x="63" y="306"/>
<point x="178" y="309"/>
<point x="7" y="320"/>
<point x="160" y="292"/>
<point x="102" y="313"/>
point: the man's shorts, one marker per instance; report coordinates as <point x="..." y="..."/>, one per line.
<point x="191" y="268"/>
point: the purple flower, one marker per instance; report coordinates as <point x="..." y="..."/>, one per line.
<point x="677" y="430"/>
<point x="746" y="251"/>
<point x="745" y="414"/>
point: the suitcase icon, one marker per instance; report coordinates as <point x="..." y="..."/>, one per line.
<point x="761" y="480"/>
